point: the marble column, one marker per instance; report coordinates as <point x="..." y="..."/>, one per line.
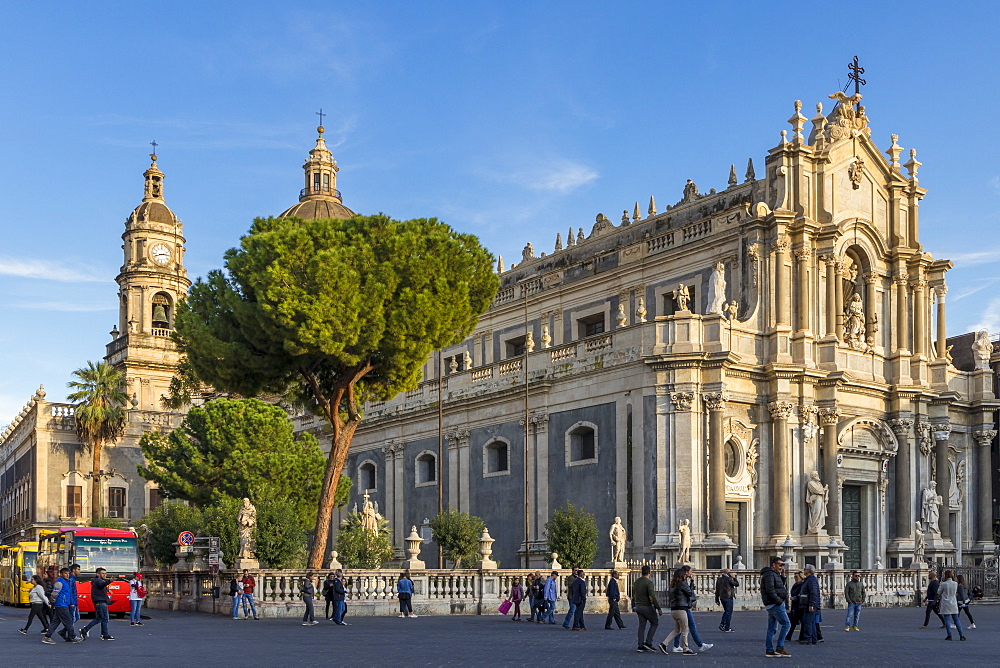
<point x="985" y="492"/>
<point x="393" y="504"/>
<point x="871" y="308"/>
<point x="920" y="314"/>
<point x="838" y="299"/>
<point x="831" y="295"/>
<point x="781" y="484"/>
<point x="902" y="312"/>
<point x="802" y="256"/>
<point x="829" y="418"/>
<point x="716" y="404"/>
<point x="904" y="488"/>
<point x="781" y="282"/>
<point x="943" y="477"/>
<point x="942" y="332"/>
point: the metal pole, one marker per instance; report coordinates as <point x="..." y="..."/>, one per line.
<point x="440" y="457"/>
<point x="527" y="550"/>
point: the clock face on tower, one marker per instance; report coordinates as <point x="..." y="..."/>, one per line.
<point x="160" y="254"/>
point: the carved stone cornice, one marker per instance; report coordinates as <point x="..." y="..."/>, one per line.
<point x="780" y="410"/>
<point x="682" y="400"/>
<point x="829" y="416"/>
<point x="984" y="437"/>
<point x="715" y="401"/>
<point x="901" y="426"/>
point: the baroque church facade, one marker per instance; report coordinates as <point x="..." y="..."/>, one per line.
<point x="765" y="364"/>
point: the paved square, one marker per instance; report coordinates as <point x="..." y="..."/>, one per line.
<point x="888" y="637"/>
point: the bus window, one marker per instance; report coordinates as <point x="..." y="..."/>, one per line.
<point x="28" y="569"/>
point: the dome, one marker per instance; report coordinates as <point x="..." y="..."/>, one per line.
<point x="152" y="212"/>
<point x="311" y="209"/>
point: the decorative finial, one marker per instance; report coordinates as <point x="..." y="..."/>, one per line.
<point x="732" y="175"/>
<point x="500" y="268"/>
<point x="913" y="165"/>
<point x="750" y="175"/>
<point x="558" y="241"/>
<point x="625" y="220"/>
<point x="798" y="106"/>
<point x="635" y="213"/>
<point x="819" y="107"/>
<point x="652" y="206"/>
<point x="570" y="239"/>
<point x="320" y="113"/>
<point x="855" y="75"/>
<point x="893" y="152"/>
<point x="579" y="236"/>
<point x="784" y="137"/>
<point x="152" y="156"/>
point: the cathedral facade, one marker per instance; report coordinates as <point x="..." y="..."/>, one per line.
<point x="765" y="364"/>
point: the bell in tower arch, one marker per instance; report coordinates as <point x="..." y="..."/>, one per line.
<point x="160" y="320"/>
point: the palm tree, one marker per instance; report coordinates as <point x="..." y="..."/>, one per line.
<point x="100" y="416"/>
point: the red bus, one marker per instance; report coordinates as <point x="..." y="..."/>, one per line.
<point x="112" y="549"/>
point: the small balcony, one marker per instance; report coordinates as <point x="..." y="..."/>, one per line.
<point x="315" y="190"/>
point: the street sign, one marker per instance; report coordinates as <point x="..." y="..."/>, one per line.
<point x="186" y="538"/>
<point x="213" y="542"/>
<point x="184" y="549"/>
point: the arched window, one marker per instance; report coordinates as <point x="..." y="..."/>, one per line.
<point x="496" y="458"/>
<point x="581" y="444"/>
<point x="366" y="476"/>
<point x="162" y="315"/>
<point x="426" y="468"/>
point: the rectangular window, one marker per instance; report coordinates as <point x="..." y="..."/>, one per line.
<point x="670" y="301"/>
<point x="515" y="347"/>
<point x="155" y="499"/>
<point x="116" y="502"/>
<point x="74" y="501"/>
<point x="590" y="326"/>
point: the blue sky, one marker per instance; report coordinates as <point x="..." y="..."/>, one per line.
<point x="511" y="120"/>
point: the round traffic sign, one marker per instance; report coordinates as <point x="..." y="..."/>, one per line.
<point x="186" y="538"/>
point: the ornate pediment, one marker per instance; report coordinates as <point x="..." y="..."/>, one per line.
<point x="847" y="119"/>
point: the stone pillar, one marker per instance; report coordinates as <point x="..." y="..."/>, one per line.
<point x="902" y="312"/>
<point x="716" y="404"/>
<point x="943" y="477"/>
<point x="871" y="308"/>
<point x="942" y="332"/>
<point x="985" y="492"/>
<point x="802" y="256"/>
<point x="781" y="282"/>
<point x="838" y="300"/>
<point x="920" y="314"/>
<point x="390" y="452"/>
<point x="539" y="420"/>
<point x="904" y="488"/>
<point x="781" y="483"/>
<point x="454" y="472"/>
<point x="829" y="418"/>
<point x="831" y="294"/>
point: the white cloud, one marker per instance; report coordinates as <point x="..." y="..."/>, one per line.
<point x="977" y="257"/>
<point x="46" y="271"/>
<point x="559" y="175"/>
<point x="986" y="283"/>
<point x="989" y="319"/>
<point x="995" y="182"/>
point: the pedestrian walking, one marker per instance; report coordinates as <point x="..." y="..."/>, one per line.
<point x="74" y="579"/>
<point x="39" y="605"/>
<point x="571" y="613"/>
<point x="578" y="596"/>
<point x="932" y="599"/>
<point x="99" y="597"/>
<point x="948" y="597"/>
<point x="964" y="599"/>
<point x="62" y="598"/>
<point x="854" y="592"/>
<point x="248" y="603"/>
<point x="531" y="591"/>
<point x="644" y="603"/>
<point x="537" y="601"/>
<point x="550" y="591"/>
<point x="614" y="595"/>
<point x="307" y="591"/>
<point x="692" y="626"/>
<point x="810" y="601"/>
<point x="339" y="598"/>
<point x="774" y="594"/>
<point x="327" y="593"/>
<point x="795" y="611"/>
<point x="516" y="596"/>
<point x="137" y="592"/>
<point x="725" y="595"/>
<point x="404" y="590"/>
<point x="236" y="591"/>
<point x="680" y="598"/>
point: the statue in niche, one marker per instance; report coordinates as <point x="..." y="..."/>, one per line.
<point x="246" y="523"/>
<point x="684" y="529"/>
<point x="854" y="327"/>
<point x="681" y="296"/>
<point x="618" y="537"/>
<point x="621" y="318"/>
<point x="982" y="348"/>
<point x="717" y="289"/>
<point x="919" y="544"/>
<point x="930" y="508"/>
<point x="817" y="496"/>
<point x="369" y="517"/>
<point x="731" y="310"/>
<point x="640" y="310"/>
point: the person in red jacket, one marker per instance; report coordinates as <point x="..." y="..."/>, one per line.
<point x="248" y="605"/>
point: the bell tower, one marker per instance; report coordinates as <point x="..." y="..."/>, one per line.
<point x="150" y="283"/>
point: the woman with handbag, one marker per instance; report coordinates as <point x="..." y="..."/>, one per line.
<point x="516" y="596"/>
<point x="680" y="598"/>
<point x="964" y="599"/>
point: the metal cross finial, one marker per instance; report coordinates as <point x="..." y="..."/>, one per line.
<point x="855" y="75"/>
<point x="321" y="114"/>
<point x="154" y="145"/>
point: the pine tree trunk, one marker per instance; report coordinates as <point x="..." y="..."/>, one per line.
<point x="95" y="485"/>
<point x="334" y="466"/>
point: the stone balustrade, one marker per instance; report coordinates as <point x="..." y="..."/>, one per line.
<point x="479" y="592"/>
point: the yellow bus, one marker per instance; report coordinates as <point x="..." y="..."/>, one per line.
<point x="17" y="565"/>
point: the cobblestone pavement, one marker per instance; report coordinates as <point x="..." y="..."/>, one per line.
<point x="889" y="637"/>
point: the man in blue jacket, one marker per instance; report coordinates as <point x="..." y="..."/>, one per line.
<point x="578" y="598"/>
<point x="614" y="595"/>
<point x="62" y="597"/>
<point x="550" y="592"/>
<point x="809" y="602"/>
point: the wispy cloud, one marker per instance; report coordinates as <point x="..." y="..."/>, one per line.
<point x="985" y="283"/>
<point x="554" y="175"/>
<point x="66" y="307"/>
<point x="995" y="183"/>
<point x="974" y="258"/>
<point x="989" y="319"/>
<point x="46" y="271"/>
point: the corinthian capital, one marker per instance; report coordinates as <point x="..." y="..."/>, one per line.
<point x="780" y="410"/>
<point x="780" y="245"/>
<point x="682" y="400"/>
<point x="941" y="431"/>
<point x="901" y="426"/>
<point x="715" y="401"/>
<point x="829" y="416"/>
<point x="985" y="436"/>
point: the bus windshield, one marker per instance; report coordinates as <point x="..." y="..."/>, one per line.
<point x="117" y="555"/>
<point x="28" y="568"/>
